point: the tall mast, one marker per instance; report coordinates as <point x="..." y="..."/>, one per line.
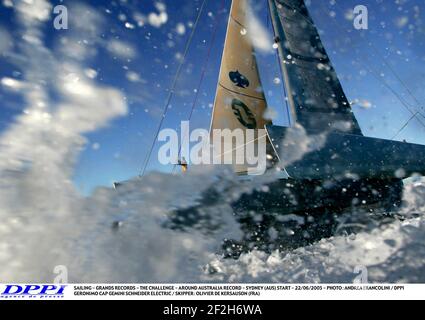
<point x="279" y="34"/>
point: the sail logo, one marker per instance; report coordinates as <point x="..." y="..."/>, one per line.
<point x="239" y="79"/>
<point x="246" y="148"/>
<point x="243" y="114"/>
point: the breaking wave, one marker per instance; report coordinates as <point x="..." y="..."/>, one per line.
<point x="119" y="236"/>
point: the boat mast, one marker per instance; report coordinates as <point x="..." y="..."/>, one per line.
<point x="279" y="40"/>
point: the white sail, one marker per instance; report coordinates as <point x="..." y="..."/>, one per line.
<point x="240" y="102"/>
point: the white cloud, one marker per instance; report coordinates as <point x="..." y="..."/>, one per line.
<point x="133" y="76"/>
<point x="157" y="20"/>
<point x="121" y="49"/>
<point x="160" y="6"/>
<point x="8" y="3"/>
<point x="34" y="11"/>
<point x="85" y="20"/>
<point x="90" y="73"/>
<point x="12" y="84"/>
<point x="401" y="22"/>
<point x="6" y="42"/>
<point x="180" y="29"/>
<point x="81" y="41"/>
<point x="140" y="19"/>
<point x="38" y="151"/>
<point x="259" y="34"/>
<point x="76" y="49"/>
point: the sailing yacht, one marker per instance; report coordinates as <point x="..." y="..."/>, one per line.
<point x="325" y="161"/>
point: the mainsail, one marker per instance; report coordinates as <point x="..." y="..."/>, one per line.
<point x="240" y="102"/>
<point x="315" y="94"/>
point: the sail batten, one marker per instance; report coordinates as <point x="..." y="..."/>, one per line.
<point x="317" y="100"/>
<point x="241" y="94"/>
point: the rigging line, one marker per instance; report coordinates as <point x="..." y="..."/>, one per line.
<point x="240" y="147"/>
<point x="404" y="126"/>
<point x="414" y="112"/>
<point x="285" y="94"/>
<point x="378" y="77"/>
<point x="204" y="69"/>
<point x="240" y="93"/>
<point x="404" y="103"/>
<point x="389" y="66"/>
<point x="173" y="88"/>
<point x="374" y="73"/>
<point x="397" y="77"/>
<point x="268" y="17"/>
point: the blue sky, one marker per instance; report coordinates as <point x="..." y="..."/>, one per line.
<point x="389" y="56"/>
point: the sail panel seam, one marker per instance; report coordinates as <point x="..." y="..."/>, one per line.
<point x="305" y="58"/>
<point x="242" y="94"/>
<point x="237" y="22"/>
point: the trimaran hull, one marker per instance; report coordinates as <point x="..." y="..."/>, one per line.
<point x="298" y="212"/>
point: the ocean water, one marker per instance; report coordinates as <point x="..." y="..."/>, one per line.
<point x="119" y="236"/>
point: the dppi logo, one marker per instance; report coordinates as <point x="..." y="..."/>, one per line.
<point x="239" y="79"/>
<point x="33" y="291"/>
<point x="244" y="115"/>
